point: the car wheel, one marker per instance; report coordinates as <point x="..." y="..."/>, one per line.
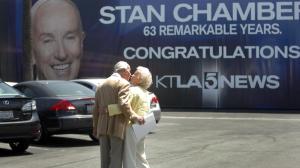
<point x="94" y="139"/>
<point x="19" y="146"/>
<point x="44" y="135"/>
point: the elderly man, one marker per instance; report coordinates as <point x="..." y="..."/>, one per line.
<point x="110" y="128"/>
<point x="57" y="39"/>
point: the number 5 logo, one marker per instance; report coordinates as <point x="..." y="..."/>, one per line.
<point x="211" y="80"/>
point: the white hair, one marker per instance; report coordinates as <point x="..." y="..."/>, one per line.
<point x="146" y="77"/>
<point x="121" y="65"/>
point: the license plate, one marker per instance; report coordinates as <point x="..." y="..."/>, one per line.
<point x="6" y="114"/>
<point x="89" y="109"/>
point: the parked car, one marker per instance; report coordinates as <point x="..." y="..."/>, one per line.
<point x="11" y="83"/>
<point x="92" y="83"/>
<point x="63" y="106"/>
<point x="153" y="100"/>
<point x="19" y="121"/>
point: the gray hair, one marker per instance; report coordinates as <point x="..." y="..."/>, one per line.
<point x="146" y="77"/>
<point x="121" y="65"/>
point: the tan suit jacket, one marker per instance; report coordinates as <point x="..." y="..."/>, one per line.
<point x="115" y="90"/>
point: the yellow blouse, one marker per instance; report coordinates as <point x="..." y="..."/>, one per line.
<point x="139" y="100"/>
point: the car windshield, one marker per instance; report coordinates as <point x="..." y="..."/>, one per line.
<point x="6" y="90"/>
<point x="69" y="89"/>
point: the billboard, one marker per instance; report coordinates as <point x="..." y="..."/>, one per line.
<point x="11" y="40"/>
<point x="202" y="54"/>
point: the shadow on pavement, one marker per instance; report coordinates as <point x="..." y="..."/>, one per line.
<point x="9" y="153"/>
<point x="64" y="142"/>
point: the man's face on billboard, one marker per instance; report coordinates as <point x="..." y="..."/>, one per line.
<point x="57" y="41"/>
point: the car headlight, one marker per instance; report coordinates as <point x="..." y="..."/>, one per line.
<point x="30" y="106"/>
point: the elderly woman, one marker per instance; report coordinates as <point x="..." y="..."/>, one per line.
<point x="134" y="152"/>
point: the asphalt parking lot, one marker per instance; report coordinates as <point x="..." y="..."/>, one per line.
<point x="185" y="140"/>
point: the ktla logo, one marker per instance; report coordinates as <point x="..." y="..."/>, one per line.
<point x="212" y="80"/>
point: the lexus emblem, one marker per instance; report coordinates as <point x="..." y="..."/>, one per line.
<point x="6" y="102"/>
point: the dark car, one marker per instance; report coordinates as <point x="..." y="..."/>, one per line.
<point x="63" y="106"/>
<point x="19" y="121"/>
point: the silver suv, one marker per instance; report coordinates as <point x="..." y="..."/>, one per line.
<point x="19" y="121"/>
